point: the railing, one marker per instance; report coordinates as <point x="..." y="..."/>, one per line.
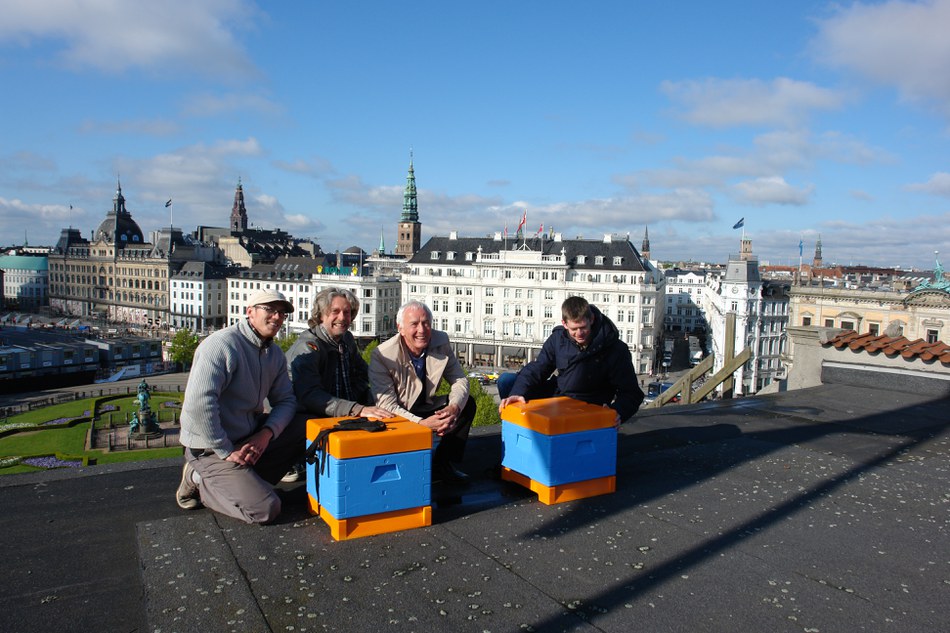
<point x="684" y="385"/>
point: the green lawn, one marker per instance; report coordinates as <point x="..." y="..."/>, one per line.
<point x="69" y="442"/>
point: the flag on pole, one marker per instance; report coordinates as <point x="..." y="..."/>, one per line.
<point x="541" y="230"/>
<point x="739" y="224"/>
<point x="524" y="220"/>
<point x="801" y="247"/>
<point x="506" y="231"/>
<point x="169" y="203"/>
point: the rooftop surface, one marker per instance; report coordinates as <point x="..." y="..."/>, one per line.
<point x="818" y="510"/>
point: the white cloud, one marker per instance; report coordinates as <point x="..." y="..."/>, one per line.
<point x="733" y="102"/>
<point x="771" y="190"/>
<point x="116" y="35"/>
<point x="154" y="127"/>
<point x="899" y="44"/>
<point x="938" y="185"/>
<point x="316" y="167"/>
<point x="213" y="105"/>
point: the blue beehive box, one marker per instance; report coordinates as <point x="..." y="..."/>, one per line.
<point x="557" y="441"/>
<point x="371" y="473"/>
<point x="372" y="485"/>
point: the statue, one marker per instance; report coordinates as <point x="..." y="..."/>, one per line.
<point x="144" y="421"/>
<point x="938" y="283"/>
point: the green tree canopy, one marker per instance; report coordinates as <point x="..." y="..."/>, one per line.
<point x="286" y="341"/>
<point x="183" y="347"/>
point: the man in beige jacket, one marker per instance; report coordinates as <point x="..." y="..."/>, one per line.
<point x="405" y="372"/>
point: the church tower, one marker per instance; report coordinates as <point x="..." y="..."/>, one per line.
<point x="238" y="211"/>
<point x="645" y="244"/>
<point x="817" y="261"/>
<point x="409" y="234"/>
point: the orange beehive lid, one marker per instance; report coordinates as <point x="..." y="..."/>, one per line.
<point x="555" y="416"/>
<point x="400" y="436"/>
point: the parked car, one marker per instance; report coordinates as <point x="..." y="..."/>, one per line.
<point x="654" y="389"/>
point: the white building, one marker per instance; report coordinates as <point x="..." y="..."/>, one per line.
<point x="198" y="297"/>
<point x="683" y="310"/>
<point x="500" y="299"/>
<point x="300" y="279"/>
<point x="25" y="281"/>
<point x="761" y="320"/>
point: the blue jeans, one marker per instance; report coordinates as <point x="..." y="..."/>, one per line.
<point x="505" y="382"/>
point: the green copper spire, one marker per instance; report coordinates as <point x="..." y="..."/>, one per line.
<point x="382" y="242"/>
<point x="410" y="205"/>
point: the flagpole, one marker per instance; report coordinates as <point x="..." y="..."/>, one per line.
<point x="800" y="254"/>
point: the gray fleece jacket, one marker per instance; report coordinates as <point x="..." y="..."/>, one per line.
<point x="232" y="375"/>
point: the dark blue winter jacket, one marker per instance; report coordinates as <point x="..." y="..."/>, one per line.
<point x="600" y="374"/>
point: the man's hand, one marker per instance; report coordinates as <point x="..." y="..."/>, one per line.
<point x="509" y="400"/>
<point x="248" y="453"/>
<point x="443" y="420"/>
<point x="375" y="412"/>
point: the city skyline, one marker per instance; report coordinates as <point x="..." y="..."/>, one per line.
<point x="805" y="119"/>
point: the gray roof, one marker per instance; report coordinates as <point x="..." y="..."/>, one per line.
<point x="630" y="259"/>
<point x="823" y="509"/>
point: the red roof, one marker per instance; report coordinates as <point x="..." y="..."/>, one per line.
<point x="892" y="346"/>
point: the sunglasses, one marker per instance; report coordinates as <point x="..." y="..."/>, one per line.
<point x="272" y="311"/>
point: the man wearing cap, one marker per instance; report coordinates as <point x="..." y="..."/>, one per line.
<point x="235" y="450"/>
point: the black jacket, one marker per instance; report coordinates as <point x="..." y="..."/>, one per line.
<point x="600" y="374"/>
<point x="312" y="361"/>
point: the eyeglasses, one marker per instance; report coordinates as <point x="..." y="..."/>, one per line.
<point x="272" y="311"/>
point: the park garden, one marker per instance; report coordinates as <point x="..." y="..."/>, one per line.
<point x="70" y="434"/>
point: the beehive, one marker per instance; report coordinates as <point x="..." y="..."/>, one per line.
<point x="561" y="448"/>
<point x="372" y="482"/>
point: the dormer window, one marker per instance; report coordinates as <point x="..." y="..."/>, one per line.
<point x="450" y="256"/>
<point x="435" y="255"/>
<point x="599" y="260"/>
<point x="618" y="261"/>
<point x="582" y="259"/>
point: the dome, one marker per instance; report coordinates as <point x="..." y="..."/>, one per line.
<point x="118" y="227"/>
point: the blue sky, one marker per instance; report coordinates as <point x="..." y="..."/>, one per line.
<point x="804" y="118"/>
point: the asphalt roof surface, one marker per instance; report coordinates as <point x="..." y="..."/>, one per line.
<point x="825" y="509"/>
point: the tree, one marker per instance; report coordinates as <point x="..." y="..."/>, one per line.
<point x="486" y="411"/>
<point x="285" y="342"/>
<point x="182" y="349"/>
<point x="368" y="350"/>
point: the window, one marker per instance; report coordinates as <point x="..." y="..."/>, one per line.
<point x="806" y="320"/>
<point x="434" y="255"/>
<point x="847" y="325"/>
<point x="874" y="329"/>
<point x="933" y="336"/>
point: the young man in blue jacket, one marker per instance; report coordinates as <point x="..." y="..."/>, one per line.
<point x="584" y="358"/>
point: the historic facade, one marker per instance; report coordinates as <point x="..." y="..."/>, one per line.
<point x="118" y="275"/>
<point x="199" y="297"/>
<point x="301" y="278"/>
<point x="499" y="299"/>
<point x="761" y="312"/>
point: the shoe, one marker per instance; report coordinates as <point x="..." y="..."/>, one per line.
<point x="448" y="474"/>
<point x="187" y="495"/>
<point x="296" y="473"/>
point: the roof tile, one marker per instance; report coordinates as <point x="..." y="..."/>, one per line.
<point x="892" y="346"/>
